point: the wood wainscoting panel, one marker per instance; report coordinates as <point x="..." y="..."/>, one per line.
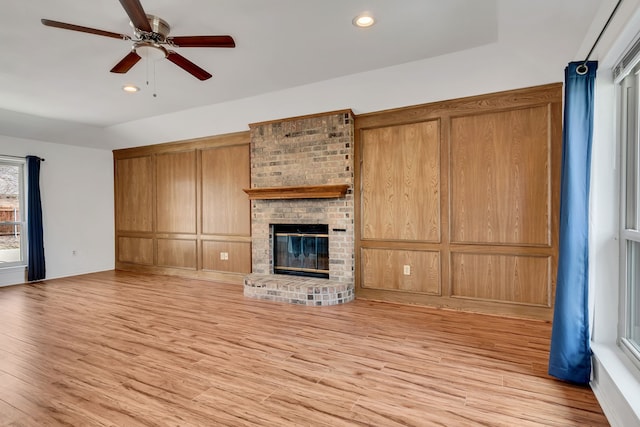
<point x="521" y="279"/>
<point x="176" y="192"/>
<point x="401" y="182"/>
<point x="238" y="256"/>
<point x="384" y="269"/>
<point x="177" y="253"/>
<point x="501" y="177"/>
<point x="475" y="181"/>
<point x="225" y="207"/>
<point x="134" y="194"/>
<point x="135" y="250"/>
<point x="165" y="194"/>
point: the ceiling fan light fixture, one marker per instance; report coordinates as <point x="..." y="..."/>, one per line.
<point x="130" y="88"/>
<point x="364" y="20"/>
<point x="150" y="51"/>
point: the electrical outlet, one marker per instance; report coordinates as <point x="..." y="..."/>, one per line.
<point x="74" y="252"/>
<point x="224" y="256"/>
<point x="407" y="270"/>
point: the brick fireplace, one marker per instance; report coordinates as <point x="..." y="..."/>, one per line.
<point x="296" y="164"/>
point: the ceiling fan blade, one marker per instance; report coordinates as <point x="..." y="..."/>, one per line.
<point x="202" y="41"/>
<point x="65" y="26"/>
<point x="187" y="65"/>
<point x="136" y="14"/>
<point x="126" y="63"/>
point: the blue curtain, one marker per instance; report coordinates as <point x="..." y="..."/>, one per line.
<point x="36" y="265"/>
<point x="570" y="354"/>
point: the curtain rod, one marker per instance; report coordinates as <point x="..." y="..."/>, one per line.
<point x="582" y="69"/>
<point x="20" y="157"/>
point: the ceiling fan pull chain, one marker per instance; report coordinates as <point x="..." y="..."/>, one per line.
<point x="146" y="61"/>
<point x="155" y="95"/>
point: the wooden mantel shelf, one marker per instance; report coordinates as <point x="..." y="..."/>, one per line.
<point x="302" y="192"/>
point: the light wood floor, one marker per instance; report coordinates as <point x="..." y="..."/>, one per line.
<point x="121" y="349"/>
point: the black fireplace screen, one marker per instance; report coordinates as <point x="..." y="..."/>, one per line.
<point x="301" y="249"/>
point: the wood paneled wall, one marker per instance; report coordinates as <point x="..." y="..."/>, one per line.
<point x="179" y="206"/>
<point x="458" y="202"/>
<point x="401" y="183"/>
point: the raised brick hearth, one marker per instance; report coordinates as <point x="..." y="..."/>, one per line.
<point x="297" y="290"/>
<point x="305" y="151"/>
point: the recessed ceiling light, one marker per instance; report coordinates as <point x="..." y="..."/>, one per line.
<point x="130" y="88"/>
<point x="363" y="21"/>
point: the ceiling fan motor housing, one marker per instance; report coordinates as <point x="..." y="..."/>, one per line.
<point x="159" y="30"/>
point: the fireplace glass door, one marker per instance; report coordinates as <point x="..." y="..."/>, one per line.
<point x="301" y="249"/>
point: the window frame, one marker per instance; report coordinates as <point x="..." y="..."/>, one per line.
<point x="629" y="209"/>
<point x="22" y="186"/>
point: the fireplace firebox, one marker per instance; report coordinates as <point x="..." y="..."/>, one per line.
<point x="301" y="249"/>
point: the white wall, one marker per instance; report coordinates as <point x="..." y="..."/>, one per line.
<point x="77" y="203"/>
<point x="482" y="70"/>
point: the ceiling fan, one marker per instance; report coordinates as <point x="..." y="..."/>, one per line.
<point x="151" y="35"/>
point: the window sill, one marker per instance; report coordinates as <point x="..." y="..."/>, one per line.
<point x="12" y="268"/>
<point x="616" y="384"/>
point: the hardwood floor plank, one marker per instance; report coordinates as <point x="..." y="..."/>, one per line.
<point x="125" y="349"/>
<point x="380" y="412"/>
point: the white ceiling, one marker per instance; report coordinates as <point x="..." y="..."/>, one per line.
<point x="64" y="75"/>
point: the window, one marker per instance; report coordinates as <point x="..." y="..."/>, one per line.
<point x="630" y="213"/>
<point x="12" y="213"/>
